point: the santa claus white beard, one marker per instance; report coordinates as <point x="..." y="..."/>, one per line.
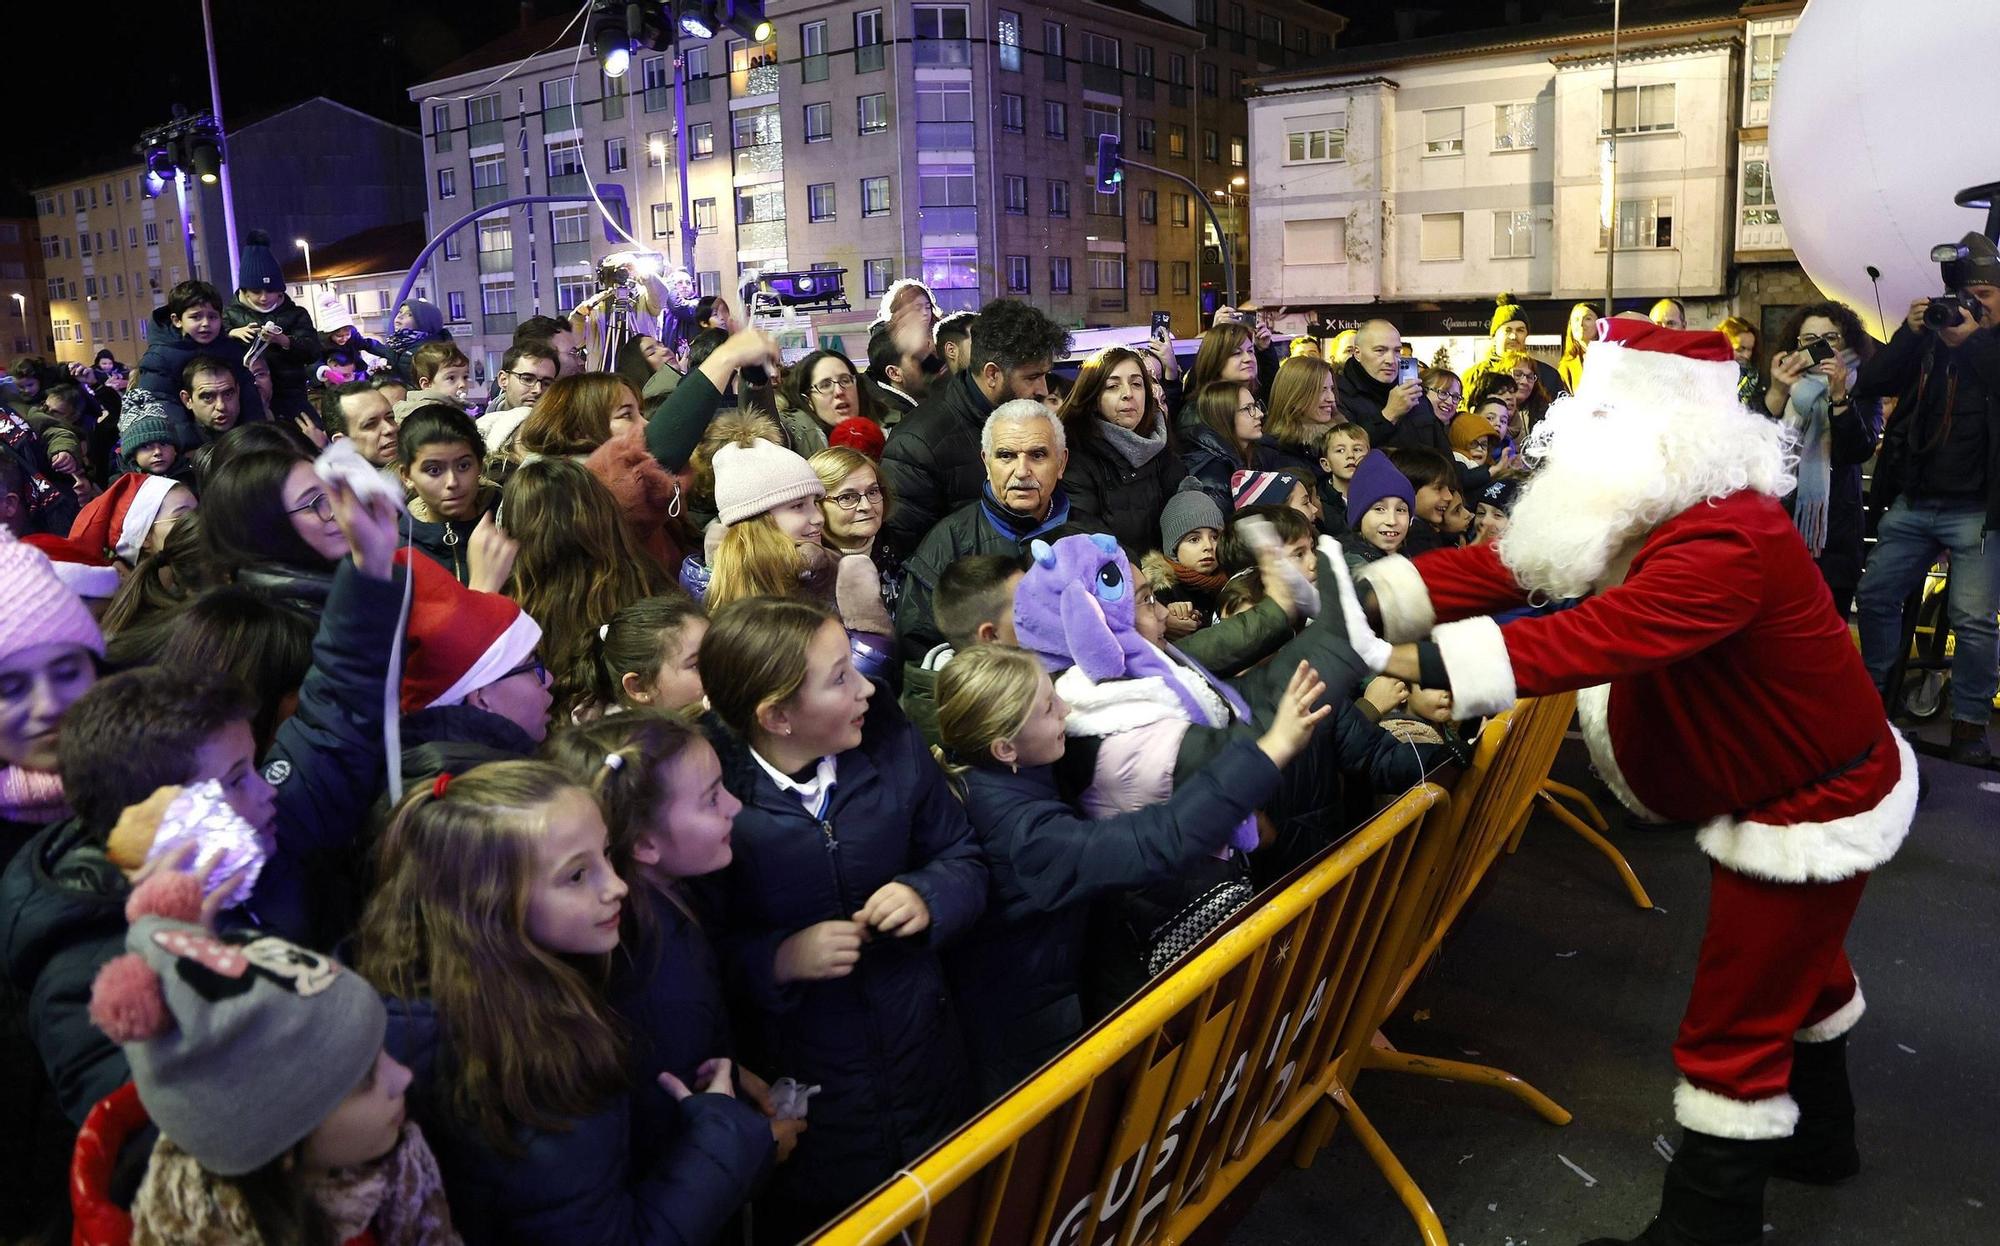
<point x="1607" y="478"/>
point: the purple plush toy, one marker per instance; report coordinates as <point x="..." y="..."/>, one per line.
<point x="1075" y="608"/>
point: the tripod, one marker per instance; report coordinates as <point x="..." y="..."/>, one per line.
<point x="616" y="328"/>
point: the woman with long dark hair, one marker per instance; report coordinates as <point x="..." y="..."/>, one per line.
<point x="1836" y="436"/>
<point x="270" y="527"/>
<point x="1228" y="352"/>
<point x="1121" y="468"/>
<point x="1222" y="439"/>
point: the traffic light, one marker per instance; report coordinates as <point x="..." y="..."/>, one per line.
<point x="1110" y="163"/>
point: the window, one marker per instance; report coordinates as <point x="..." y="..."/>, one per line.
<point x="874" y="196"/>
<point x="83" y="242"/>
<point x="1013" y="113"/>
<point x="1182" y="275"/>
<point x="701" y="140"/>
<point x="1765" y="53"/>
<point x="707" y="282"/>
<point x="569" y="229"/>
<point x="482" y="121"/>
<point x="565" y="161"/>
<point x="948" y="199"/>
<point x="489" y="180"/>
<point x="760" y="205"/>
<point x="611" y="95"/>
<point x="152" y="234"/>
<point x="944" y="116"/>
<point x="1144" y="133"/>
<point x="615" y="159"/>
<point x="1017" y="274"/>
<point x="447" y="183"/>
<point x="941" y="32"/>
<point x="1149" y="207"/>
<point x="1016" y="188"/>
<point x="812" y="46"/>
<point x="1643" y="224"/>
<point x="1098" y="121"/>
<point x="1053" y="69"/>
<point x="877" y="276"/>
<point x="496" y="298"/>
<point x="656" y="83"/>
<point x="1236" y="91"/>
<point x="868" y="41"/>
<point x="454" y="246"/>
<point x="819" y="123"/>
<point x="1645" y="109"/>
<point x="1177" y="141"/>
<point x="1760" y="199"/>
<point x="1211" y="146"/>
<point x="1177" y="69"/>
<point x="756" y="127"/>
<point x="1058" y="197"/>
<point x="572" y="289"/>
<point x="1269" y="29"/>
<point x="1149" y="276"/>
<point x="558" y="105"/>
<point x="1007" y="38"/>
<point x="1182" y="206"/>
<point x="1209" y="79"/>
<point x="1444" y="131"/>
<point x="496" y="245"/>
<point x="1238" y="152"/>
<point x="1513" y="235"/>
<point x="704" y="216"/>
<point x="1058" y="274"/>
<point x="440" y="127"/>
<point x="1100" y="50"/>
<point x="1441" y="236"/>
<point x="1513" y="126"/>
<point x="1107" y="272"/>
<point x="454" y="306"/>
<point x="1055" y="118"/>
<point x="819" y="201"/>
<point x="663" y="220"/>
<point x="1142" y="63"/>
<point x="696" y="72"/>
<point x="874" y="110"/>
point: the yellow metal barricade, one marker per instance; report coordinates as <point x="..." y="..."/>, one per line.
<point x="1139" y="1130"/>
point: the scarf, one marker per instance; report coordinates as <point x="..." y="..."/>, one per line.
<point x="1137" y="451"/>
<point x="1209" y="583"/>
<point x="1809" y="416"/>
<point x="399" y="1196"/>
<point x="32" y="796"/>
<point x="1021" y="528"/>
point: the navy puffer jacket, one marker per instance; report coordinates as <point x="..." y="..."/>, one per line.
<point x="169" y="352"/>
<point x="883" y="1041"/>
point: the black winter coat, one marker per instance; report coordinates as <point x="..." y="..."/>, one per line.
<point x="1111" y="495"/>
<point x="62" y="903"/>
<point x="448" y="541"/>
<point x="931" y="460"/>
<point x="1017" y="976"/>
<point x="168" y="353"/>
<point x="1912" y="368"/>
<point x="1362" y="398"/>
<point x="883" y="1041"/>
<point x="964" y="532"/>
<point x="290" y="365"/>
<point x="601" y="1182"/>
<point x="1212" y="461"/>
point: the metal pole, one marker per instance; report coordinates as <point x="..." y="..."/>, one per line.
<point x="187" y="225"/>
<point x="215" y="109"/>
<point x="688" y="231"/>
<point x="1611" y="165"/>
<point x="1228" y="252"/>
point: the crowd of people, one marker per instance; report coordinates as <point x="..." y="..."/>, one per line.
<point x="679" y="791"/>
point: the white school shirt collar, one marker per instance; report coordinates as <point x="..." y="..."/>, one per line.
<point x="814" y="792"/>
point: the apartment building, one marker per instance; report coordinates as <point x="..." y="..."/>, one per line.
<point x="363" y="271"/>
<point x="950" y="142"/>
<point x="1769" y="279"/>
<point x="1425" y="177"/>
<point x="23" y="296"/>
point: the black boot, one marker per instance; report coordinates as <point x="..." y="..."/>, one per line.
<point x="1713" y="1194"/>
<point x="1821" y="1150"/>
<point x="1968" y="744"/>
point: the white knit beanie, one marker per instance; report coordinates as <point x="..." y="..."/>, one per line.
<point x="761" y="476"/>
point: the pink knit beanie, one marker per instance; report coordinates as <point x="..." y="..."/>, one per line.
<point x="36" y="608"/>
<point x="759" y="477"/>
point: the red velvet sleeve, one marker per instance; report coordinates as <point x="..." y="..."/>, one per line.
<point x="1468" y="581"/>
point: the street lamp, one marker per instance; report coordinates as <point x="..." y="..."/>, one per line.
<point x="305" y="246"/>
<point x="657" y="149"/>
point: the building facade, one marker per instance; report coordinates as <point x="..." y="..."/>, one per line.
<point x="1429" y="176"/>
<point x="954" y="143"/>
<point x="363" y="271"/>
<point x="24" y="299"/>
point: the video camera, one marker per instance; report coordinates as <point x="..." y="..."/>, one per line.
<point x="1972" y="260"/>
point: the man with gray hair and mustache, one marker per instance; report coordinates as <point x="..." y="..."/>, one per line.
<point x="1717" y="685"/>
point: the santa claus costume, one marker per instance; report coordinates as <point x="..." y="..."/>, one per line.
<point x="1717" y="685"/>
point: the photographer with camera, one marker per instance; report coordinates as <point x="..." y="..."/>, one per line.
<point x="1938" y="474"/>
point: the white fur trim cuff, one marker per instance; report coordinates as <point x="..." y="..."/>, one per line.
<point x="1475" y="657"/>
<point x="1819" y="852"/>
<point x="1407" y="613"/>
<point x="1707" y="1112"/>
<point x="1837" y="1022"/>
<point x="1593" y="714"/>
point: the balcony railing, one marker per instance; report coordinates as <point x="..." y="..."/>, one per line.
<point x="484" y="134"/>
<point x="560" y="118"/>
<point x="957" y="220"/>
<point x="760" y="158"/>
<point x="949" y="52"/>
<point x="568" y="183"/>
<point x="500" y="260"/>
<point x="496" y="323"/>
<point x="749" y="83"/>
<point x="573" y="252"/>
<point x="868" y="58"/>
<point x="661" y="98"/>
<point x="484" y="195"/>
<point x="944" y="135"/>
<point x="1053" y="67"/>
<point x="1105" y="79"/>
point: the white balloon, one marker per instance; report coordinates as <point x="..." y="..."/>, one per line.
<point x="1874" y="127"/>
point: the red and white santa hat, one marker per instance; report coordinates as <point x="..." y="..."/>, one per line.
<point x="1638" y="364"/>
<point x="459" y="641"/>
<point x="81" y="570"/>
<point x="117" y="520"/>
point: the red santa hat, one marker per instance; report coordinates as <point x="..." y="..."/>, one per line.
<point x="1636" y="363"/>
<point x="460" y="641"/>
<point x="81" y="570"/>
<point x="117" y="520"/>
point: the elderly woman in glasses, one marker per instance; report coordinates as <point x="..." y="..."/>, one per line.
<point x="871" y="569"/>
<point x="825" y="387"/>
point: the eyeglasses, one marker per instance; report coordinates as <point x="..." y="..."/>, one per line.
<point x="1524" y="376"/>
<point x="825" y="388"/>
<point x="1446" y="395"/>
<point x="533" y="666"/>
<point x="1835" y="339"/>
<point x="1248" y="407"/>
<point x="851" y="500"/>
<point x="319" y="504"/>
<point x="530" y="380"/>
